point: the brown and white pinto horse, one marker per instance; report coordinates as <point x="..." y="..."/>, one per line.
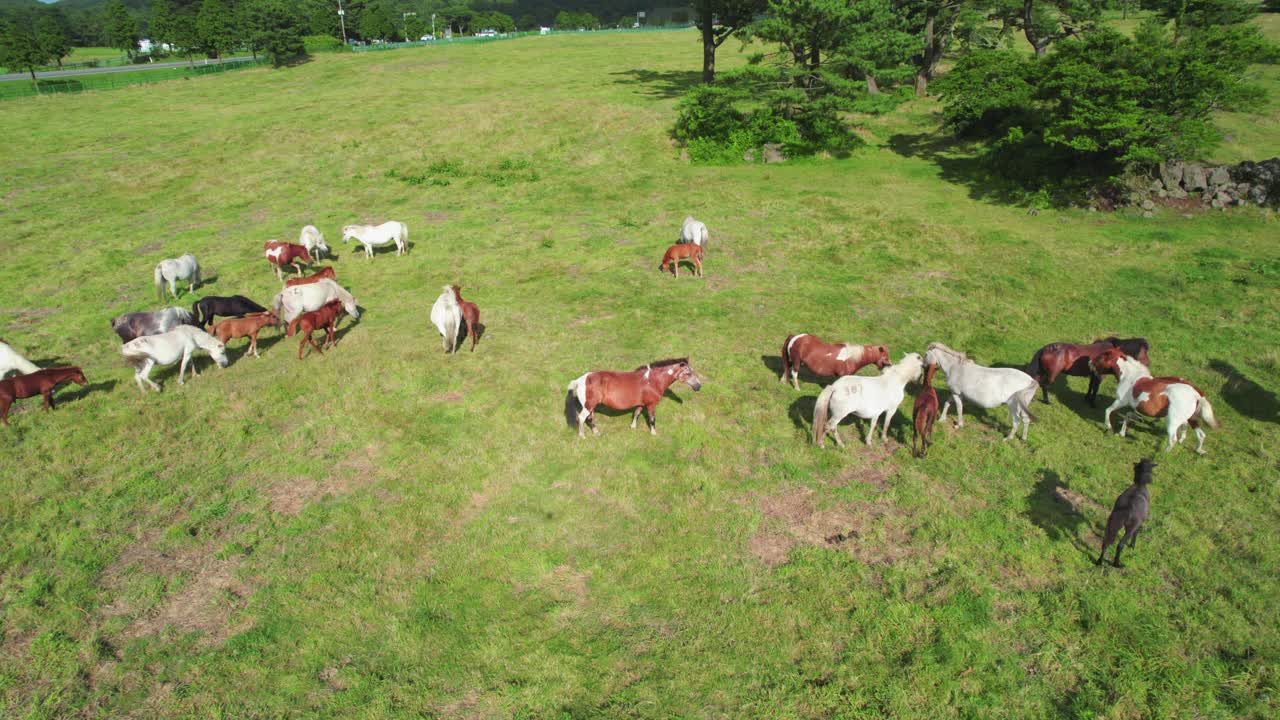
<point x="40" y="382"/>
<point x="248" y="326"/>
<point x="470" y="315"/>
<point x="326" y="318"/>
<point x="826" y="359"/>
<point x="641" y="388"/>
<point x="1156" y="403"/>
<point x="1183" y="403"/>
<point x="325" y="274"/>
<point x="279" y="254"/>
<point x="1060" y="358"/>
<point x="676" y="253"/>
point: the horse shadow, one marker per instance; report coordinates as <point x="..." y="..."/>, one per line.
<point x="1048" y="510"/>
<point x="1246" y="396"/>
<point x="667" y="84"/>
<point x="265" y="342"/>
<point x="774" y="364"/>
<point x="80" y="392"/>
<point x="801" y="411"/>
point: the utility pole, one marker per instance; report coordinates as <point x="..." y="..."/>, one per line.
<point x="342" y="22"/>
<point x="405" y="19"/>
<point x="433" y="27"/>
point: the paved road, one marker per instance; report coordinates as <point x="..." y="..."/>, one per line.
<point x="122" y="68"/>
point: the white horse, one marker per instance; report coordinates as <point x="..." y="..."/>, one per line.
<point x="378" y="235"/>
<point x="180" y="343"/>
<point x="293" y="301"/>
<point x="446" y="315"/>
<point x="174" y="269"/>
<point x="868" y="397"/>
<point x="694" y="232"/>
<point x="10" y="361"/>
<point x="1182" y="401"/>
<point x="985" y="386"/>
<point x="312" y="239"/>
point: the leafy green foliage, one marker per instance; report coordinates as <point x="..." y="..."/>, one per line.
<point x="274" y="29"/>
<point x="216" y="28"/>
<point x="121" y="28"/>
<point x="570" y="20"/>
<point x="20" y="45"/>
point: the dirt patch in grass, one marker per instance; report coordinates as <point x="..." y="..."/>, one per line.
<point x="30" y="316"/>
<point x="875" y="532"/>
<point x="434" y="217"/>
<point x="566" y="584"/>
<point x="593" y="318"/>
<point x="149" y="248"/>
<point x="872" y="468"/>
<point x="357" y="470"/>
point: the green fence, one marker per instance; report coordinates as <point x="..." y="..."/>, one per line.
<point x="507" y="36"/>
<point x="110" y="81"/>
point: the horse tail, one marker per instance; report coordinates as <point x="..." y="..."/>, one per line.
<point x="1025" y="408"/>
<point x="786" y="358"/>
<point x="1205" y="411"/>
<point x="820" y="411"/>
<point x="159" y="278"/>
<point x="575" y="400"/>
<point x="133" y="356"/>
<point x="404" y="237"/>
<point x="195" y="313"/>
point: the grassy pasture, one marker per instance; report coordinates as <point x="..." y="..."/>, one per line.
<point x="383" y="531"/>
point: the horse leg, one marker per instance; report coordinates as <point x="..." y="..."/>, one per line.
<point x="1124" y="424"/>
<point x="884" y="431"/>
<point x="1200" y="441"/>
<point x="651" y="412"/>
<point x="945" y="407"/>
<point x="871" y="431"/>
<point x="182" y="368"/>
<point x="48" y="399"/>
<point x="1095" y="384"/>
<point x="959" y="410"/>
<point x="146" y="374"/>
<point x="1014" y="415"/>
<point x="1046" y="379"/>
<point x="1119" y="547"/>
<point x="253" y="343"/>
<point x="4" y="408"/>
<point x="1106" y="416"/>
<point x="635" y="416"/>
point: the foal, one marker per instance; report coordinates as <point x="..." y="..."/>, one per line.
<point x="1130" y="512"/>
<point x="40" y="382"/>
<point x="248" y="326"/>
<point x="925" y="412"/>
<point x="279" y="254"/>
<point x="676" y="253"/>
<point x="470" y="314"/>
<point x="326" y="318"/>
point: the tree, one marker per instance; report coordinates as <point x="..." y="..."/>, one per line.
<point x="274" y="29"/>
<point x="163" y="24"/>
<point x="717" y="20"/>
<point x="808" y="30"/>
<point x="216" y="28"/>
<point x="121" y="28"/>
<point x="1044" y="22"/>
<point x="20" y="46"/>
<point x="879" y="40"/>
<point x="52" y="34"/>
<point x="1202" y="13"/>
<point x="379" y="21"/>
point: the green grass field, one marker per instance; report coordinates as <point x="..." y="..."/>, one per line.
<point x="384" y="531"/>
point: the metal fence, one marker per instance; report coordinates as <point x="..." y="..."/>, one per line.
<point x="110" y="81"/>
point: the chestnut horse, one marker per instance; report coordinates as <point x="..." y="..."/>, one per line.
<point x="925" y="413"/>
<point x="248" y="326"/>
<point x="827" y="360"/>
<point x="1059" y="358"/>
<point x="470" y="314"/>
<point x="279" y="254"/>
<point x="326" y="318"/>
<point x="40" y="382"/>
<point x="640" y="388"/>
<point x="325" y="274"/>
<point x="676" y="253"/>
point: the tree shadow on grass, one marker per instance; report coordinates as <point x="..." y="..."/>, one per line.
<point x="960" y="164"/>
<point x="659" y="83"/>
<point x="1050" y="508"/>
<point x="1246" y="396"/>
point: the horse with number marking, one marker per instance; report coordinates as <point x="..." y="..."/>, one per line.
<point x="291" y="302"/>
<point x="313" y="240"/>
<point x="326" y="318"/>
<point x="174" y="269"/>
<point x="985" y="386"/>
<point x="11" y="361"/>
<point x="279" y="254"/>
<point x="321" y="274"/>
<point x="371" y="236"/>
<point x="865" y="396"/>
<point x="248" y="326"/>
<point x="676" y="253"/>
<point x="1061" y="358"/>
<point x="130" y="326"/>
<point x="179" y="344"/>
<point x="827" y="359"/>
<point x="924" y="413"/>
<point x="205" y="309"/>
<point x="1183" y="403"/>
<point x="692" y="231"/>
<point x="640" y="389"/>
<point x="40" y="382"/>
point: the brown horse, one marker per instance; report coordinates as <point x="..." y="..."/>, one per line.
<point x="676" y="253"/>
<point x="40" y="382"/>
<point x="925" y="412"/>
<point x="826" y="359"/>
<point x="326" y="273"/>
<point x="470" y="314"/>
<point x="326" y="318"/>
<point x="641" y="388"/>
<point x="279" y="254"/>
<point x="1059" y="358"/>
<point x="248" y="326"/>
<point x="1157" y="403"/>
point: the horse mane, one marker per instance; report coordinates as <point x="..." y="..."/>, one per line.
<point x="663" y="363"/>
<point x="456" y="294"/>
<point x="944" y="348"/>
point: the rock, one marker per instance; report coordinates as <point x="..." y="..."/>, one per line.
<point x="1033" y="211"/>
<point x="1216" y="204"/>
<point x="1147" y="214"/>
<point x="1219" y="175"/>
<point x="1258" y="195"/>
<point x="773" y="153"/>
<point x="749" y="155"/>
<point x="1193" y="178"/>
<point x="1162" y="194"/>
<point x="1157" y="186"/>
<point x="1223" y="197"/>
<point x="1148" y="205"/>
<point x="1171" y="174"/>
<point x="1178" y="194"/>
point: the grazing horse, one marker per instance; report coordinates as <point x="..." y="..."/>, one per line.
<point x="1058" y="358"/>
<point x="293" y="301"/>
<point x="180" y="343"/>
<point x="827" y="360"/>
<point x="318" y="276"/>
<point x="40" y="382"/>
<point x="312" y="239"/>
<point x="676" y="253"/>
<point x="174" y="269"/>
<point x="11" y="361"/>
<point x="446" y="315"/>
<point x="1183" y="403"/>
<point x="326" y="318"/>
<point x="371" y="236"/>
<point x="279" y="254"/>
<point x="985" y="386"/>
<point x="134" y="325"/>
<point x="924" y="413"/>
<point x="641" y="388"/>
<point x="248" y="326"/>
<point x="1130" y="511"/>
<point x="470" y="313"/>
<point x="692" y="231"/>
<point x="868" y="397"/>
<point x="205" y="309"/>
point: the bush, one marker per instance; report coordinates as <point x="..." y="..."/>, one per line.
<point x="321" y="43"/>
<point x="986" y="91"/>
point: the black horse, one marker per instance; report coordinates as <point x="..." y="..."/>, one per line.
<point x="235" y="306"/>
<point x="137" y="324"/>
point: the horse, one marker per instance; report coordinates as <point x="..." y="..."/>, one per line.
<point x="316" y="277"/>
<point x="376" y="235"/>
<point x="828" y="360"/>
<point x="326" y="318"/>
<point x="1129" y="512"/>
<point x="692" y="231"/>
<point x="205" y="309"/>
<point x="279" y="254"/>
<point x="985" y="386"/>
<point x="868" y="397"/>
<point x="293" y="301"/>
<point x="40" y="382"/>
<point x="471" y="314"/>
<point x="641" y="388"/>
<point x="924" y="413"/>
<point x="676" y="253"/>
<point x="1183" y="403"/>
<point x="180" y="343"/>
<point x="130" y="326"/>
<point x="174" y="269"/>
<point x="446" y="315"/>
<point x="11" y="361"/>
<point x="312" y="239"/>
<point x="248" y="326"/>
<point x="1058" y="358"/>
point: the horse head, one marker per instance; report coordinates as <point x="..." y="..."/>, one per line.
<point x="346" y="232"/>
<point x="1107" y="361"/>
<point x="913" y="366"/>
<point x="78" y="378"/>
<point x="881" y="353"/>
<point x="685" y="374"/>
<point x="218" y="352"/>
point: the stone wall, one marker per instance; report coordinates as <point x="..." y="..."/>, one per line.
<point x="1256" y="183"/>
